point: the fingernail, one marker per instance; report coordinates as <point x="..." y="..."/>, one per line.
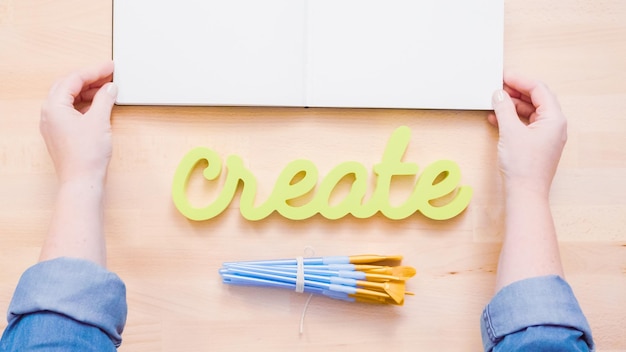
<point x="498" y="96"/>
<point x="112" y="89"/>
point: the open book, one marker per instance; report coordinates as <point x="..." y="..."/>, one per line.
<point x="439" y="54"/>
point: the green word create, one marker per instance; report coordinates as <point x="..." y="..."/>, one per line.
<point x="438" y="181"/>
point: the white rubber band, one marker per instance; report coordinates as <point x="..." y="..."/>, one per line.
<point x="300" y="275"/>
<point x="309" y="252"/>
<point x="306" y="305"/>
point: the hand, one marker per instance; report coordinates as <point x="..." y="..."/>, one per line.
<point x="533" y="132"/>
<point x="76" y="124"/>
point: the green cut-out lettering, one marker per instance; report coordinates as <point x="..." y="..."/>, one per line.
<point x="289" y="187"/>
<point x="181" y="179"/>
<point x="440" y="179"/>
<point x="294" y="195"/>
<point x="355" y="196"/>
<point x="390" y="166"/>
<point x="237" y="173"/>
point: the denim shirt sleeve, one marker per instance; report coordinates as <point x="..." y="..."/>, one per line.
<point x="74" y="292"/>
<point x="535" y="313"/>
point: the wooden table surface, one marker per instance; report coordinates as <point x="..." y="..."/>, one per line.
<point x="176" y="299"/>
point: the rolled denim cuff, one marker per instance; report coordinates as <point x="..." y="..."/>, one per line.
<point x="539" y="301"/>
<point x="76" y="288"/>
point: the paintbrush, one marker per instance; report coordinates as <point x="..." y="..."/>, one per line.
<point x="354" y="259"/>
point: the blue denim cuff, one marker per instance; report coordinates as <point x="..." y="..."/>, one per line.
<point x="76" y="288"/>
<point x="539" y="301"/>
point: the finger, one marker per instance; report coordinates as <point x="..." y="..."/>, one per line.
<point x="86" y="95"/>
<point x="90" y="77"/>
<point x="517" y="95"/>
<point x="523" y="108"/>
<point x="103" y="102"/>
<point x="505" y="111"/>
<point x="540" y="95"/>
<point x="68" y="89"/>
<point x="491" y="117"/>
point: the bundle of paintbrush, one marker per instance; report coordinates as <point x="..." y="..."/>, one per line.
<point x="360" y="278"/>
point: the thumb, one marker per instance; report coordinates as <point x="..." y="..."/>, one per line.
<point x="103" y="101"/>
<point x="505" y="111"/>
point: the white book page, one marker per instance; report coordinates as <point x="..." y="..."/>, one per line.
<point x="443" y="54"/>
<point x="209" y="52"/>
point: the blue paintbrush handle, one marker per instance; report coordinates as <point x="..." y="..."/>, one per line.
<point x="240" y="274"/>
<point x="311" y="274"/>
<point x="340" y="278"/>
<point x="308" y="261"/>
<point x="320" y="269"/>
<point x="257" y="282"/>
